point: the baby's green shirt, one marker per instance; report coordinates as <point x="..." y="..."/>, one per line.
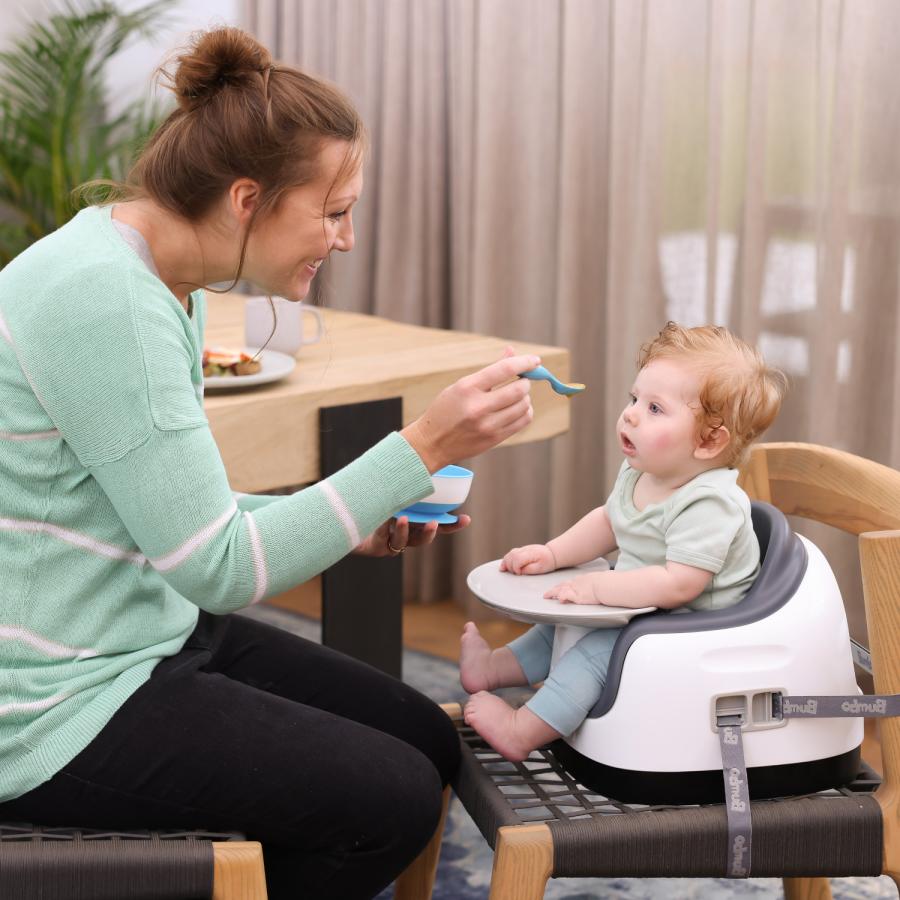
<point x="705" y="523"/>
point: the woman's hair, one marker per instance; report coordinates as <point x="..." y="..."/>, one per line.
<point x="240" y="115"/>
<point x="737" y="388"/>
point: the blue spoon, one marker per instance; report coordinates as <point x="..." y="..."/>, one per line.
<point x="541" y="374"/>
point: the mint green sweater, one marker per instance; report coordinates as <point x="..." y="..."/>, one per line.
<point x="116" y="518"/>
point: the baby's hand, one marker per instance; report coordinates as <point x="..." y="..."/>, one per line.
<point x="531" y="560"/>
<point x="583" y="589"/>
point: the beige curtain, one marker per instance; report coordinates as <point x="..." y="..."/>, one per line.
<point x="577" y="172"/>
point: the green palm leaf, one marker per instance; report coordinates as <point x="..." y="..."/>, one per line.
<point x="55" y="131"/>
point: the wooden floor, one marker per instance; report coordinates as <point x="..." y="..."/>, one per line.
<point x="435" y="628"/>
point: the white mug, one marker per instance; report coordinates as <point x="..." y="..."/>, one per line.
<point x="288" y="337"/>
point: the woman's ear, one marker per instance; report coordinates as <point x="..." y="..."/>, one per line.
<point x="243" y="198"/>
<point x="712" y="442"/>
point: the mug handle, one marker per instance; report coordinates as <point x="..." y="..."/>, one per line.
<point x="319" y="325"/>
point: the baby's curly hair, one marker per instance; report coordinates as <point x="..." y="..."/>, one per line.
<point x="737" y="388"/>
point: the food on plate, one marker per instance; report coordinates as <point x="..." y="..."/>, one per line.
<point x="220" y="361"/>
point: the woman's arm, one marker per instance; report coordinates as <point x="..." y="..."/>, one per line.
<point x="172" y="496"/>
<point x="249" y="502"/>
<point x="127" y="408"/>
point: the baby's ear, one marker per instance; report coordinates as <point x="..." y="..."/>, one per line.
<point x="712" y="442"/>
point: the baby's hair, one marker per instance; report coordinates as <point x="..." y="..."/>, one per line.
<point x="737" y="388"/>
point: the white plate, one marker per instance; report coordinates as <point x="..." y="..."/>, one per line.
<point x="521" y="597"/>
<point x="275" y="366"/>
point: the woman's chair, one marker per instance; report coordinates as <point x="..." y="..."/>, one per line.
<point x="541" y="823"/>
<point x="40" y="863"/>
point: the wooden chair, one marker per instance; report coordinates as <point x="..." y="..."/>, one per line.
<point x="542" y="824"/>
<point x="417" y="882"/>
<point x="89" y="864"/>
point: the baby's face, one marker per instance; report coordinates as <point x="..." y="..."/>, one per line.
<point x="658" y="427"/>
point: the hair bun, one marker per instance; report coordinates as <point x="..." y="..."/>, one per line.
<point x="217" y="58"/>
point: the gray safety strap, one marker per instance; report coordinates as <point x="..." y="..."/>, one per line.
<point x="737" y="792"/>
<point x="737" y="796"/>
<point x="868" y="706"/>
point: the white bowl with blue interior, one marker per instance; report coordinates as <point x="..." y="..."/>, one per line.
<point x="451" y="487"/>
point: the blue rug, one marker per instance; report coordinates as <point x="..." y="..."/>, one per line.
<point x="464" y="869"/>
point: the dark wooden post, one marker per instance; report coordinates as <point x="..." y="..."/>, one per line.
<point x="362" y="599"/>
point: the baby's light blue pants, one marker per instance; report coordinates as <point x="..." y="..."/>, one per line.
<point x="576" y="682"/>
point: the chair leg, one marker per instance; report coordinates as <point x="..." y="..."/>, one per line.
<point x="889" y="798"/>
<point x="807" y="889"/>
<point x="523" y="861"/>
<point x="238" y="872"/>
<point x="417" y="880"/>
<point x="454" y="710"/>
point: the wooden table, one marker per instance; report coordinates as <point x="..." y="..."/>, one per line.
<point x="367" y="377"/>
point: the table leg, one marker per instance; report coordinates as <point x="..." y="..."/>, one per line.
<point x="362" y="598"/>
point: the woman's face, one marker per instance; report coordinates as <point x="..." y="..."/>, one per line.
<point x="286" y="248"/>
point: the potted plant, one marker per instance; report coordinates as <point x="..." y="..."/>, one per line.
<point x="56" y="131"/>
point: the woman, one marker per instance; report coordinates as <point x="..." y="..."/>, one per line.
<point x="127" y="697"/>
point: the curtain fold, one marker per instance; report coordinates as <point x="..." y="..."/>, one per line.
<point x="577" y="173"/>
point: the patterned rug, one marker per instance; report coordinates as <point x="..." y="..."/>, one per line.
<point x="464" y="870"/>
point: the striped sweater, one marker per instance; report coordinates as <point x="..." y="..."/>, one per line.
<point x="116" y="518"/>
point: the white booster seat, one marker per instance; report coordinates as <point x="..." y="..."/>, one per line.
<point x="652" y="736"/>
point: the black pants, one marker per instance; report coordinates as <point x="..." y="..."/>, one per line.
<point x="334" y="766"/>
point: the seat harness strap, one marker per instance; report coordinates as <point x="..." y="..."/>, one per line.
<point x="734" y="768"/>
<point x="737" y="796"/>
<point x="869" y="706"/>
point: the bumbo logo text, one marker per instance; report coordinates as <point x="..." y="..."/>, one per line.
<point x="735" y="781"/>
<point x="810" y="707"/>
<point x="738" y="849"/>
<point x="857" y="706"/>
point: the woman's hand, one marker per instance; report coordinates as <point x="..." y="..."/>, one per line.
<point x="391" y="538"/>
<point x="533" y="559"/>
<point x="475" y="413"/>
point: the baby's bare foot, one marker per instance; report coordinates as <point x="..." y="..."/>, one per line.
<point x="476" y="672"/>
<point x="513" y="733"/>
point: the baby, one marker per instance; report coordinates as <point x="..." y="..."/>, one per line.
<point x="676" y="514"/>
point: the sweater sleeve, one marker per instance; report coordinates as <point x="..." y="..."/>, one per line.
<point x="250" y="502"/>
<point x="117" y="377"/>
<point x="172" y="495"/>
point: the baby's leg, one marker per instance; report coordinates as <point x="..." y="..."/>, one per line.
<point x="513" y="733"/>
<point x="576" y="682"/>
<point x="483" y="669"/>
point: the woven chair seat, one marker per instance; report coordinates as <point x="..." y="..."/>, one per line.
<point x="836" y="832"/>
<point x="39" y="863"/>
